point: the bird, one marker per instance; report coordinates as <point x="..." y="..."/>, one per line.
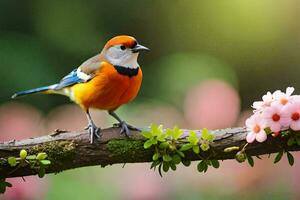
<point x="105" y="81"/>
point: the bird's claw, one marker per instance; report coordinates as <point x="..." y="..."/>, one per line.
<point x="125" y="128"/>
<point x="94" y="132"/>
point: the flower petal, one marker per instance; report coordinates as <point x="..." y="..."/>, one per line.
<point x="295" y="126"/>
<point x="250" y="137"/>
<point x="261" y="136"/>
<point x="289" y="91"/>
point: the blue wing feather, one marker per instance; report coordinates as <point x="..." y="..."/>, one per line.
<point x="71" y="79"/>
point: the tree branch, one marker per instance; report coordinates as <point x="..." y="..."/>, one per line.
<point x="68" y="150"/>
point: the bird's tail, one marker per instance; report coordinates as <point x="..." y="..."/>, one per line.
<point x="44" y="89"/>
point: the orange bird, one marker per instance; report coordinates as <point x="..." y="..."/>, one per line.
<point x="105" y="81"/>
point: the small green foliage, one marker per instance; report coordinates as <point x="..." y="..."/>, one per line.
<point x="154" y="135"/>
<point x="166" y="155"/>
<point x="207" y="136"/>
<point x="23" y="154"/>
<point x="168" y="152"/>
<point x="202" y="166"/>
<point x="31" y="157"/>
<point x="12" y="161"/>
<point x="204" y="146"/>
<point x="291" y="141"/>
<point x="290" y="158"/>
<point x="41" y="172"/>
<point x="186" y="147"/>
<point x="4" y="185"/>
<point x="278" y="157"/>
<point x="36" y="162"/>
<point x="215" y="163"/>
<point x="41" y="156"/>
<point x="250" y="161"/>
<point x="45" y="162"/>
<point x="241" y="156"/>
<point x="193" y="138"/>
<point x="268" y="131"/>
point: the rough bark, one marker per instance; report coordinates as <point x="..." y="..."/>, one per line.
<point x="68" y="150"/>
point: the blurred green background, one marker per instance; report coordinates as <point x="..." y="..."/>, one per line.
<point x="209" y="61"/>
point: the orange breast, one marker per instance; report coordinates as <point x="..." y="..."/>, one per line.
<point x="107" y="90"/>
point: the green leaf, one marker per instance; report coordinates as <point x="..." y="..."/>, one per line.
<point x="2" y="186"/>
<point x="278" y="157"/>
<point x="206" y="135"/>
<point x="240" y="157"/>
<point x="268" y="130"/>
<point x="215" y="163"/>
<point x="176" y="133"/>
<point x="176" y="159"/>
<point x="186" y="147"/>
<point x="41" y="156"/>
<point x="291" y="141"/>
<point x="12" y="161"/>
<point x="285" y="133"/>
<point x="172" y="166"/>
<point x="8" y="184"/>
<point x="181" y="154"/>
<point x="41" y="172"/>
<point x="250" y="161"/>
<point x="155" y="156"/>
<point x="164" y="145"/>
<point x="196" y="149"/>
<point x="204" y="146"/>
<point x="193" y="138"/>
<point x="23" y="154"/>
<point x="45" y="162"/>
<point x="166" y="166"/>
<point x="205" y="168"/>
<point x="31" y="157"/>
<point x="208" y="162"/>
<point x="153" y="140"/>
<point x="167" y="158"/>
<point x="201" y="166"/>
<point x="162" y="137"/>
<point x="186" y="162"/>
<point x="156" y="130"/>
<point x="147" y="134"/>
<point x="298" y="141"/>
<point x="159" y="169"/>
<point x="155" y="163"/>
<point x="147" y="144"/>
<point x="290" y="158"/>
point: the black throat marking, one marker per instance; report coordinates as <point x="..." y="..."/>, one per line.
<point x="127" y="71"/>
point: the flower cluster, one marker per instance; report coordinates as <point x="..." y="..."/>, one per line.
<point x="276" y="112"/>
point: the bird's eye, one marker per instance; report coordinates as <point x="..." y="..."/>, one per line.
<point x="123" y="47"/>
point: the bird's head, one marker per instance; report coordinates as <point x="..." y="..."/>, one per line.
<point x="123" y="51"/>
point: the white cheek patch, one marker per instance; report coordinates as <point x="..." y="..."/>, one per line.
<point x="82" y="75"/>
<point x="124" y="58"/>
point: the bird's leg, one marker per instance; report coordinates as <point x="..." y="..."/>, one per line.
<point x="94" y="131"/>
<point x="122" y="124"/>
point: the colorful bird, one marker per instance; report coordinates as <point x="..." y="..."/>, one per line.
<point x="105" y="81"/>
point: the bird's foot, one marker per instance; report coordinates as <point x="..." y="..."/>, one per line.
<point x="125" y="128"/>
<point x="94" y="132"/>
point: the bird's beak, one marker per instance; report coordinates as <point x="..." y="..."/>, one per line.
<point x="139" y="48"/>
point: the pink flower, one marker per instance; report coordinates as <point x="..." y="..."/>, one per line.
<point x="267" y="99"/>
<point x="275" y="118"/>
<point x="293" y="112"/>
<point x="255" y="126"/>
<point x="282" y="97"/>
